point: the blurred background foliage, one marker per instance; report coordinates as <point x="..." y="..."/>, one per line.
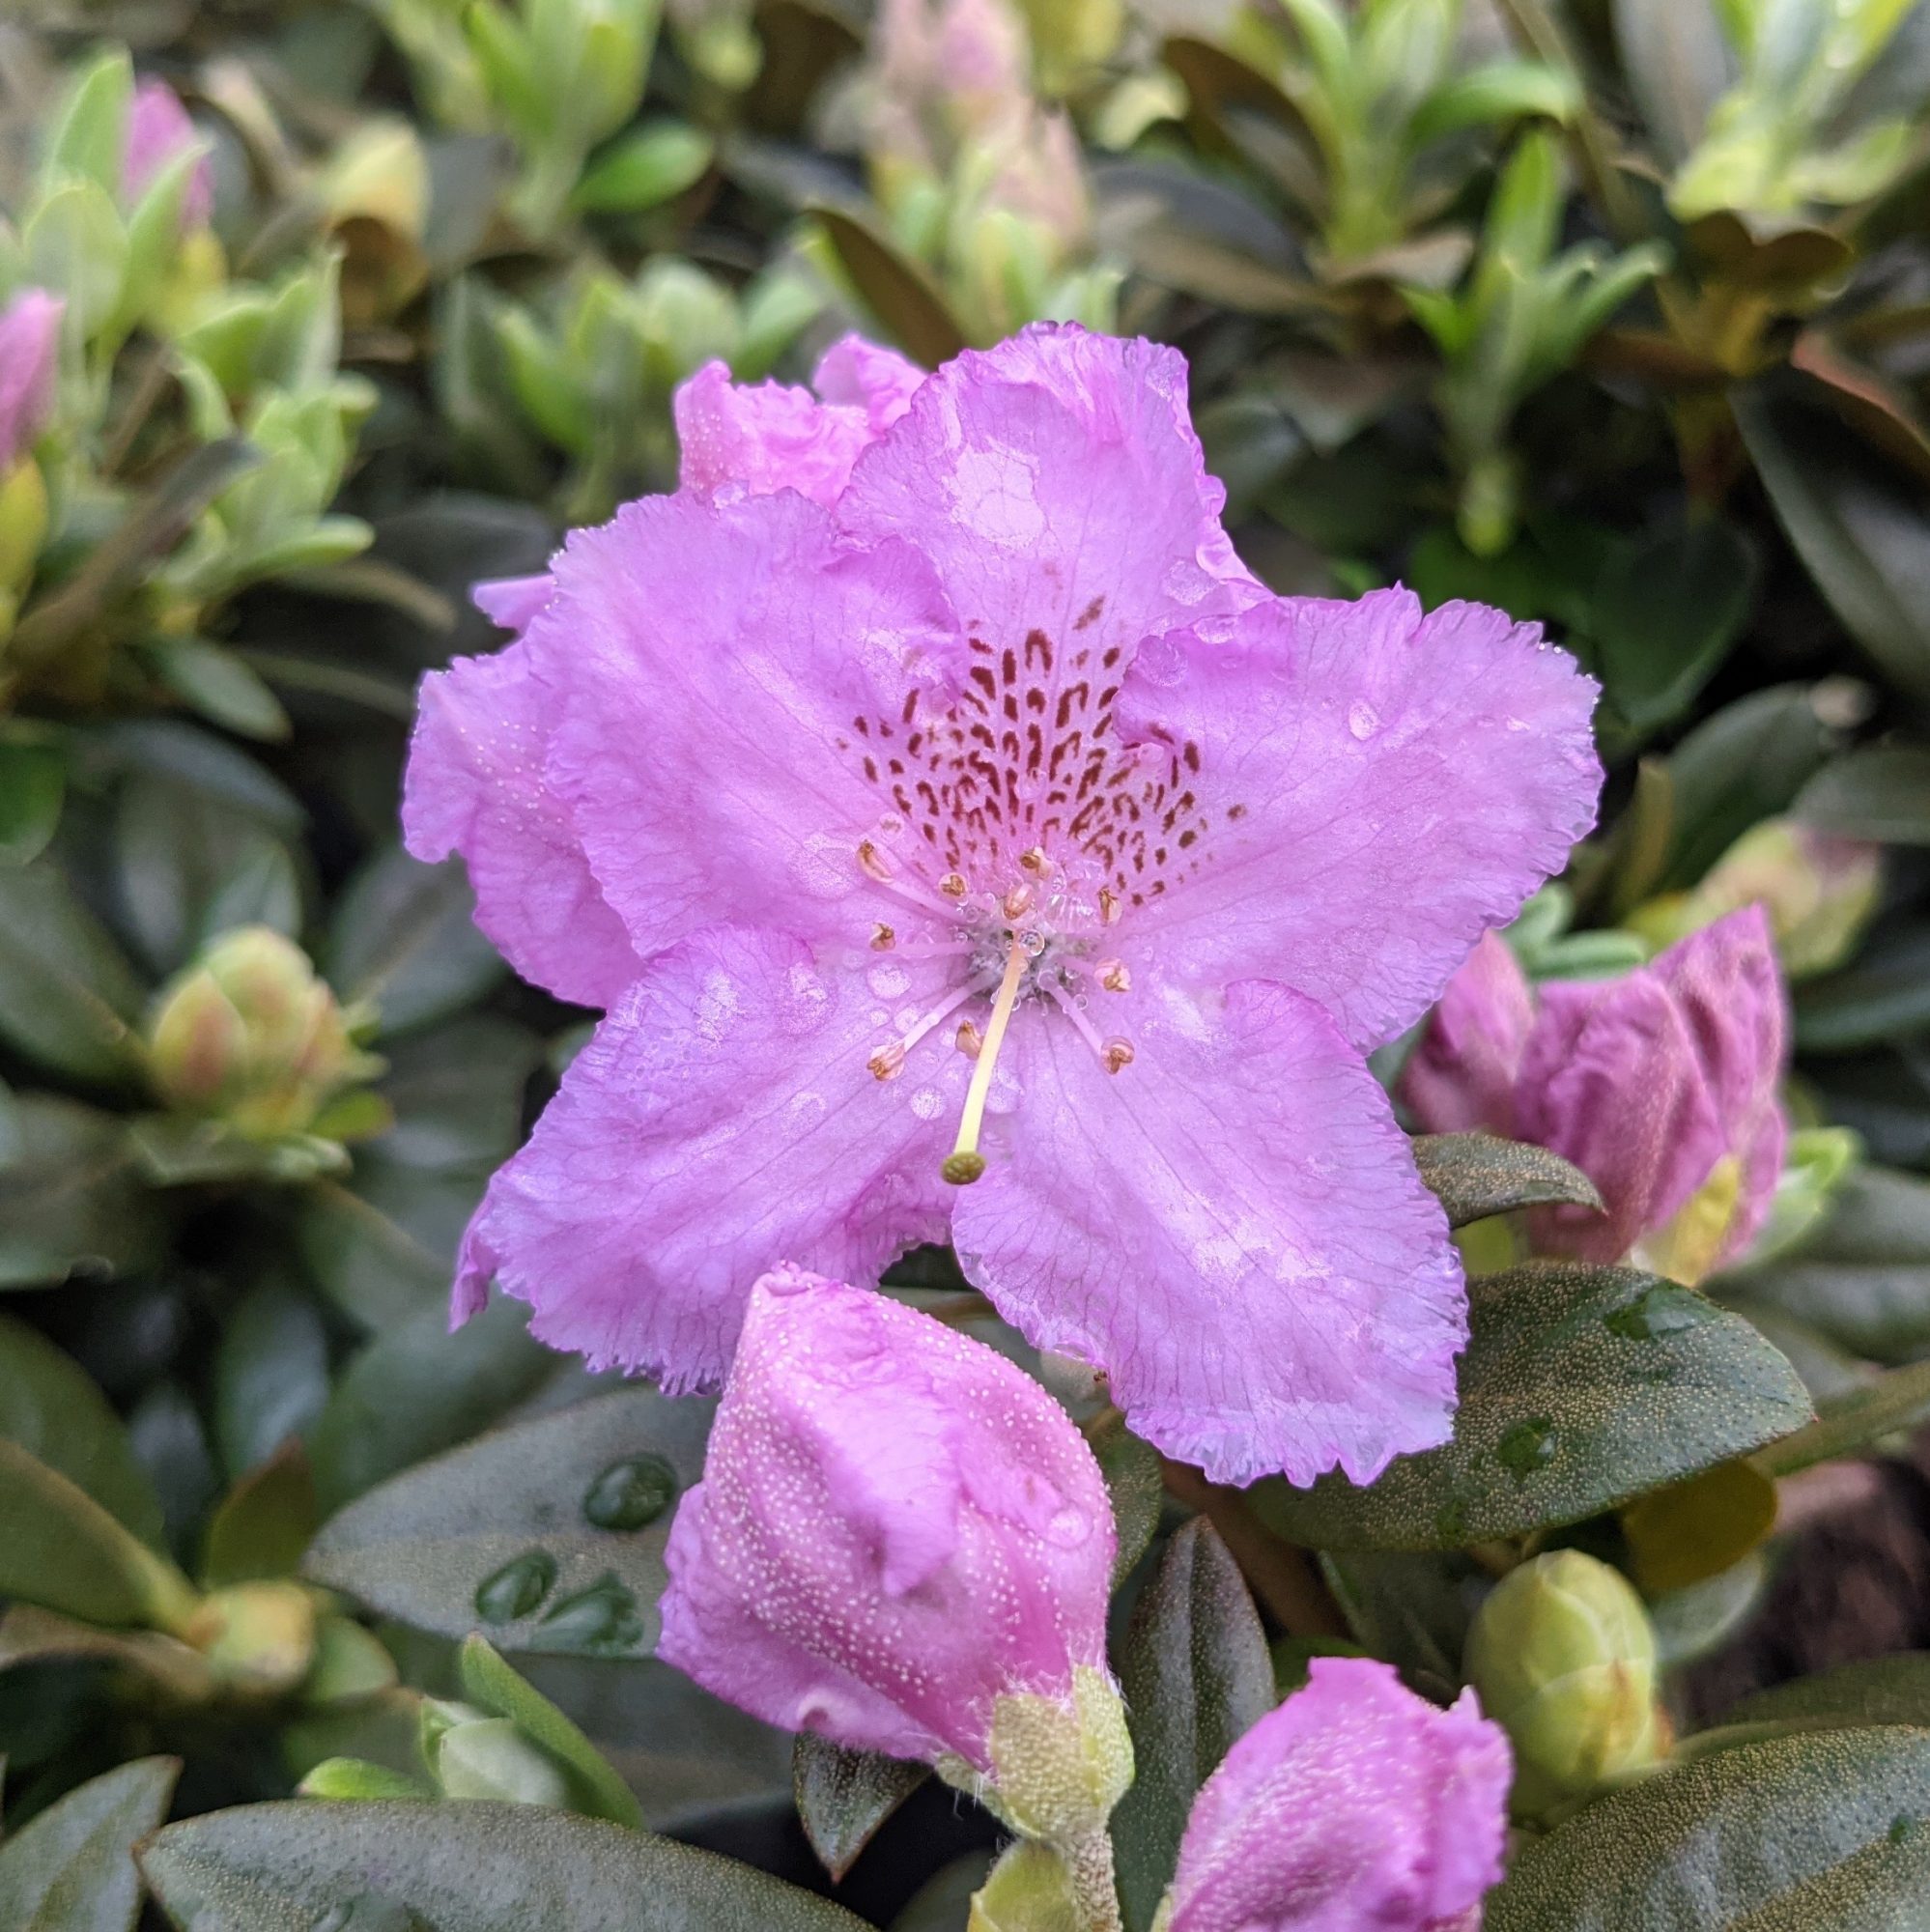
<point x="1615" y="313"/>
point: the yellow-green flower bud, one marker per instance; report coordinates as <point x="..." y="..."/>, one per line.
<point x="1563" y="1658"/>
<point x="471" y="1754"/>
<point x="23" y="523"/>
<point x="1818" y="890"/>
<point x="251" y="1036"/>
<point x="258" y="1638"/>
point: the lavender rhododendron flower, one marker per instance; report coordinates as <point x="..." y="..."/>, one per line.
<point x="986" y="856"/>
<point x="1354" y="1804"/>
<point x="1660" y="1086"/>
<point x="29" y="361"/>
<point x="897" y="1527"/>
<point x="158" y="131"/>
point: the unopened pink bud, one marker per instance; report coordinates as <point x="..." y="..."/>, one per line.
<point x="158" y="131"/>
<point x="1461" y="1076"/>
<point x="29" y="362"/>
<point x="1355" y="1804"/>
<point x="895" y="1530"/>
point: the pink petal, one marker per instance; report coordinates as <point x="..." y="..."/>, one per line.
<point x="729" y="663"/>
<point x="875" y="1485"/>
<point x="880" y="381"/>
<point x="1461" y="1076"/>
<point x="1379" y="788"/>
<point x="513" y="602"/>
<point x="476" y="785"/>
<point x="1231" y="1227"/>
<point x="1610" y="1080"/>
<point x="1058" y="487"/>
<point x="1355" y="1803"/>
<point x="723" y="1117"/>
<point x="158" y="131"/>
<point x="29" y="362"/>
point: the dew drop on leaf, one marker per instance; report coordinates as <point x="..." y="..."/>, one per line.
<point x="631" y="1493"/>
<point x="602" y="1620"/>
<point x="516" y="1589"/>
<point x="1526" y="1446"/>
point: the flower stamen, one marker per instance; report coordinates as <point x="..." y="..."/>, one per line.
<point x="1114" y="1053"/>
<point x="965" y="1163"/>
<point x="889" y="1062"/>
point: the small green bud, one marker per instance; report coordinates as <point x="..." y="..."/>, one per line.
<point x="353" y="1777"/>
<point x="1563" y="1658"/>
<point x="1058" y="1770"/>
<point x="258" y="1638"/>
<point x="249" y="1036"/>
<point x="489" y="1757"/>
<point x="23" y="523"/>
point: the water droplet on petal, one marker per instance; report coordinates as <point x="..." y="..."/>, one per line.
<point x="631" y="1493"/>
<point x="1362" y="719"/>
<point x="1068" y="1527"/>
<point x="926" y="1104"/>
<point x="888" y="981"/>
<point x="516" y="1589"/>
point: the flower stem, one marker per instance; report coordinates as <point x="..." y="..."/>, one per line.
<point x="1095" y="1893"/>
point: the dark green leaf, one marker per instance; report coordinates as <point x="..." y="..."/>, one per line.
<point x="1882" y="995"/>
<point x="380" y="1244"/>
<point x="1477" y="1175"/>
<point x="1134" y="1482"/>
<point x="190" y="866"/>
<point x="404" y="936"/>
<point x="72" y="1200"/>
<point x="646" y="167"/>
<point x="843" y="1796"/>
<point x="529" y="1533"/>
<point x="32" y="777"/>
<point x="60" y="1549"/>
<point x="900" y="294"/>
<point x="1860" y="527"/>
<point x="595" y="1789"/>
<point x="1581" y="1388"/>
<point x="1820" y="1830"/>
<point x="457" y="1092"/>
<point x="1678" y="64"/>
<point x="1408" y="1607"/>
<point x="1880" y="792"/>
<point x="67" y="998"/>
<point x="1195" y="1675"/>
<point x="50" y="1408"/>
<point x="1892" y="1689"/>
<point x="70" y="1869"/>
<point x="221" y="686"/>
<point x="265" y="1522"/>
<point x="1863" y="1280"/>
<point x="1666" y="615"/>
<point x="1744" y="763"/>
<point x="418" y="1389"/>
<point x="469" y="1867"/>
<point x="270" y="1374"/>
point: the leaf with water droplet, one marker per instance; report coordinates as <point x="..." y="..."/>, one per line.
<point x="1564" y="1414"/>
<point x="632" y="1491"/>
<point x="469" y="1537"/>
<point x="516" y="1589"/>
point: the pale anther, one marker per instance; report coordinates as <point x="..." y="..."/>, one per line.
<point x="1016" y="901"/>
<point x="1033" y="861"/>
<point x="953" y="886"/>
<point x="968" y="1039"/>
<point x="887" y="1063"/>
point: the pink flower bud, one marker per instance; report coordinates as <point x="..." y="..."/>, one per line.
<point x="29" y="361"/>
<point x="1355" y="1804"/>
<point x="896" y="1528"/>
<point x="158" y="131"/>
<point x="1660" y="1086"/>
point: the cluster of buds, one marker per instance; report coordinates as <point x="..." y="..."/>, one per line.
<point x="1660" y="1086"/>
<point x="979" y="179"/>
<point x="229" y="424"/>
<point x="902" y="1543"/>
<point x="1563" y="1657"/>
<point x="249" y="1036"/>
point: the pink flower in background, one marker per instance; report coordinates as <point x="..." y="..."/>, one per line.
<point x="993" y="825"/>
<point x="1354" y="1804"/>
<point x="895" y="1526"/>
<point x="158" y="131"/>
<point x="29" y="362"/>
<point x="1661" y="1087"/>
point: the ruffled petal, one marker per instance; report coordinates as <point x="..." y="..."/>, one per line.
<point x="476" y="785"/>
<point x="1232" y="1228"/>
<point x="735" y="673"/>
<point x="879" y="380"/>
<point x="512" y="602"/>
<point x="1056" y="483"/>
<point x="1374" y="789"/>
<point x="1461" y="1076"/>
<point x="723" y="1117"/>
